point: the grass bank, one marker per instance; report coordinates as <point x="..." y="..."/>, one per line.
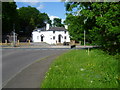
<point x="77" y="69"/>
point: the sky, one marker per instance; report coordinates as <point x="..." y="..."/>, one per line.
<point x="53" y="9"/>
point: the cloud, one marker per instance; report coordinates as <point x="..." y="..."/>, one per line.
<point x="17" y="7"/>
<point x="27" y="0"/>
<point x="63" y="20"/>
<point x="41" y="6"/>
<point x="52" y="17"/>
<point x="38" y="5"/>
<point x="33" y="3"/>
<point x="37" y="0"/>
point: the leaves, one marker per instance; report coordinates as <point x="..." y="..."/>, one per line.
<point x="101" y="22"/>
<point x="24" y="18"/>
<point x="57" y="22"/>
<point x="9" y="15"/>
<point x="30" y="18"/>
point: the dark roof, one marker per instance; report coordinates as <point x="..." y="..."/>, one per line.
<point x="57" y="29"/>
<point x="41" y="29"/>
<point x="51" y="29"/>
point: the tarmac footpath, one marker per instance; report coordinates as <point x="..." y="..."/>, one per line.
<point x="33" y="75"/>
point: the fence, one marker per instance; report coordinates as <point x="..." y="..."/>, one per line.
<point x="17" y="43"/>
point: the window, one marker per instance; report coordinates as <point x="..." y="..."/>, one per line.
<point x="53" y="31"/>
<point x="38" y="37"/>
<point x="65" y="37"/>
<point x="53" y="37"/>
<point x="65" y="32"/>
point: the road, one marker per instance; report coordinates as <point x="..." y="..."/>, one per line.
<point x="15" y="60"/>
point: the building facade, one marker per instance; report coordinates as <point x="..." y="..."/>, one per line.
<point x="51" y="35"/>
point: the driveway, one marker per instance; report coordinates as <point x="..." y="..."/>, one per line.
<point x="24" y="68"/>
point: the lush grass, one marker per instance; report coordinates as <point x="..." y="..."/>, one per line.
<point x="77" y="69"/>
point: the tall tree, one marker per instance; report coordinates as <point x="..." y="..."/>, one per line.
<point x="27" y="19"/>
<point x="30" y="18"/>
<point x="57" y="22"/>
<point x="100" y="20"/>
<point x="43" y="18"/>
<point x="75" y="27"/>
<point x="9" y="16"/>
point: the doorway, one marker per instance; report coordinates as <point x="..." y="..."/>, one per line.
<point x="42" y="38"/>
<point x="59" y="38"/>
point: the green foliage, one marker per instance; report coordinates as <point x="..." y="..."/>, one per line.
<point x="77" y="69"/>
<point x="101" y="22"/>
<point x="25" y="19"/>
<point x="42" y="19"/>
<point x="75" y="27"/>
<point x="57" y="22"/>
<point x="29" y="19"/>
<point x="9" y="15"/>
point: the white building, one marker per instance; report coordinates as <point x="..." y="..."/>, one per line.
<point x="51" y="35"/>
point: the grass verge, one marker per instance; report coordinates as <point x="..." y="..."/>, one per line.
<point x="77" y="69"/>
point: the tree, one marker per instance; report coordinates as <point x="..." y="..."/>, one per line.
<point x="102" y="22"/>
<point x="29" y="19"/>
<point x="43" y="18"/>
<point x="57" y="22"/>
<point x="9" y="16"/>
<point x="75" y="26"/>
<point x="25" y="19"/>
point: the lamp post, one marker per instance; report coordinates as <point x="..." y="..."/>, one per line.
<point x="14" y="35"/>
<point x="84" y="37"/>
<point x="84" y="32"/>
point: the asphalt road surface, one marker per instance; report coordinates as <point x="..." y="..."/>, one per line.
<point x="16" y="60"/>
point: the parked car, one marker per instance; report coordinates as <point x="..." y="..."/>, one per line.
<point x="66" y="43"/>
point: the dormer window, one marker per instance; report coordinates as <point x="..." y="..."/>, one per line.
<point x="38" y="37"/>
<point x="65" y="32"/>
<point x="53" y="31"/>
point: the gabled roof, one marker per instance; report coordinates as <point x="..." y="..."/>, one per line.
<point x="57" y="29"/>
<point x="40" y="29"/>
<point x="51" y="29"/>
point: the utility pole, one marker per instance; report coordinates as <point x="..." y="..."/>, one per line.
<point x="84" y="31"/>
<point x="84" y="37"/>
<point x="14" y="35"/>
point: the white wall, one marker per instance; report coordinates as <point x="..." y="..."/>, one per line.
<point x="48" y="36"/>
<point x="35" y="36"/>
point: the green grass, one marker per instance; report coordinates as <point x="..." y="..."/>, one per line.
<point x="77" y="69"/>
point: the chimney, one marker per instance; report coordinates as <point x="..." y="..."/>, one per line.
<point x="66" y="26"/>
<point x="47" y="26"/>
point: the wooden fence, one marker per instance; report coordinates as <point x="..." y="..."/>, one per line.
<point x="17" y="43"/>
